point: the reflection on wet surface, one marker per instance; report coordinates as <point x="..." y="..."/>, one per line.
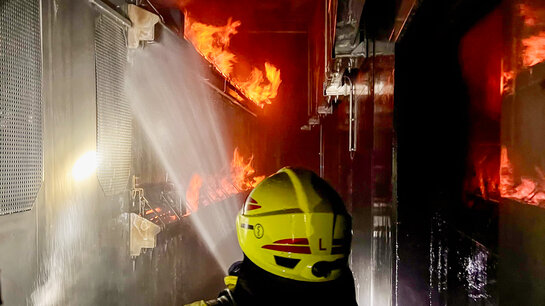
<point x="461" y="270"/>
<point x="381" y="254"/>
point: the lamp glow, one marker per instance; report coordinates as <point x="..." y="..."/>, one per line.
<point x="85" y="166"/>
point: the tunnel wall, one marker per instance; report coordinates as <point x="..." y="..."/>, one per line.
<point x="18" y="249"/>
<point x="522" y="214"/>
<point x="21" y="164"/>
<point x="72" y="246"/>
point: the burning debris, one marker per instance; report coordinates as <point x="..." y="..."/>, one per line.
<point x="494" y="183"/>
<point x="214" y="188"/>
<point x="205" y="190"/>
<point x="525" y="189"/>
<point x="212" y="42"/>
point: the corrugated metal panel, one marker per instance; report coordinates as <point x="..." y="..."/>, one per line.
<point x="114" y="122"/>
<point x="21" y="158"/>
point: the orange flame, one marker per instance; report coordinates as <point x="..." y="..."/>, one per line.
<point x="533" y="49"/>
<point x="242" y="173"/>
<point x="529" y="190"/>
<point x="192" y="192"/>
<point x="212" y="42"/>
<point x="260" y="90"/>
<point x="240" y="177"/>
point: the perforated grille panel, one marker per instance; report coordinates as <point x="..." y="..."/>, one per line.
<point x="20" y="105"/>
<point x="114" y="123"/>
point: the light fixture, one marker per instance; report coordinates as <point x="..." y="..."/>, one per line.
<point x="85" y="166"/>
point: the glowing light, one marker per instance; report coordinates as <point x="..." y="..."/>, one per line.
<point x="85" y="166"/>
<point x="212" y="42"/>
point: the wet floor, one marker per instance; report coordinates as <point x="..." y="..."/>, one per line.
<point x="456" y="269"/>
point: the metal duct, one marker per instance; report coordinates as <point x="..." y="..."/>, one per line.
<point x="114" y="121"/>
<point x="21" y="159"/>
<point x="347" y="32"/>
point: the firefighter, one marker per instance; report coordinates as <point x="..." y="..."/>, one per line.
<point x="295" y="234"/>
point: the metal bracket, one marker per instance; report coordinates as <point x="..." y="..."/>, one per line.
<point x="111" y="13"/>
<point x="139" y="199"/>
<point x="312" y="122"/>
<point x="341" y="85"/>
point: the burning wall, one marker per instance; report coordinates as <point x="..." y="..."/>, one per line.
<point x="506" y="100"/>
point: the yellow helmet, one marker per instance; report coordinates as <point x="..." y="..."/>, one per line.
<point x="295" y="225"/>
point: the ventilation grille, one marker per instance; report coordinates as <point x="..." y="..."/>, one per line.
<point x="114" y="123"/>
<point x="20" y="105"/>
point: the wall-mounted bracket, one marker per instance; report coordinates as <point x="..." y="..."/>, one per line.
<point x="111" y="13"/>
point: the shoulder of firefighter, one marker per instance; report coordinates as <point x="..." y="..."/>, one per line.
<point x="224" y="298"/>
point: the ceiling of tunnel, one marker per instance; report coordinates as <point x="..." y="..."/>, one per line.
<point x="269" y="15"/>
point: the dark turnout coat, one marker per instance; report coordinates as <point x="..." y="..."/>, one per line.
<point x="256" y="286"/>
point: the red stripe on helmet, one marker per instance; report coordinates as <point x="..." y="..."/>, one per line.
<point x="252" y="207"/>
<point x="293" y="241"/>
<point x="288" y="248"/>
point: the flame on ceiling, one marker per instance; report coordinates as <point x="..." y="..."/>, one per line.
<point x="212" y="42"/>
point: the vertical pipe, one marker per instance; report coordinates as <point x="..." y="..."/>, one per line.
<point x="326" y="39"/>
<point x="309" y="79"/>
<point x="352" y="127"/>
<point x="353" y="94"/>
<point x="322" y="159"/>
<point x="372" y="163"/>
<point x="350" y="123"/>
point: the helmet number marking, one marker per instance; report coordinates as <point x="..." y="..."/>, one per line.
<point x="320" y="245"/>
<point x="258" y="231"/>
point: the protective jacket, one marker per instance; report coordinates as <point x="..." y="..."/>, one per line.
<point x="255" y="286"/>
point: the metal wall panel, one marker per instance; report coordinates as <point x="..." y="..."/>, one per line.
<point x="114" y="124"/>
<point x="20" y="105"/>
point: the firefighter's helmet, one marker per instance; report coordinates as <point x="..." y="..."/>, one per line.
<point x="294" y="225"/>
